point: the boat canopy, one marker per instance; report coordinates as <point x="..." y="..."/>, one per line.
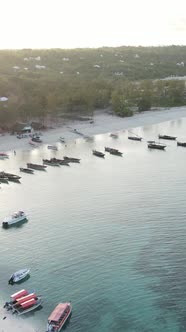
<point x="19" y="294"/>
<point x="57" y="312"/>
<point x="28" y="303"/>
<point x="26" y="298"/>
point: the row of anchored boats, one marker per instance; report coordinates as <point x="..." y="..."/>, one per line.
<point x="24" y="301"/>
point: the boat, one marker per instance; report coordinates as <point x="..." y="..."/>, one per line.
<point x="72" y="160"/>
<point x="58" y="317"/>
<point x="36" y="139"/>
<point x="98" y="153"/>
<point x="60" y="161"/>
<point x="15" y="218"/>
<point x="26" y="170"/>
<point x="18" y="276"/>
<point x="50" y="162"/>
<point x="4" y="155"/>
<point x="62" y="140"/>
<point x="172" y="138"/>
<point x="52" y="147"/>
<point x="154" y="145"/>
<point x="114" y="135"/>
<point x="181" y="144"/>
<point x="113" y="151"/>
<point x="135" y="138"/>
<point x="36" y="166"/>
<point x="23" y="302"/>
<point x="10" y="177"/>
<point x="3" y="179"/>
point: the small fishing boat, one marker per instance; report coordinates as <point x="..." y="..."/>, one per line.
<point x="52" y="147"/>
<point x="62" y="140"/>
<point x="36" y="139"/>
<point x="72" y="160"/>
<point x="114" y="135"/>
<point x="3" y="179"/>
<point x="15" y="218"/>
<point x="135" y="138"/>
<point x="37" y="166"/>
<point x="154" y="145"/>
<point x="181" y="144"/>
<point x="27" y="170"/>
<point x="58" y="317"/>
<point x="50" y="162"/>
<point x="98" y="153"/>
<point x="18" y="276"/>
<point x="60" y="161"/>
<point x="10" y="177"/>
<point x="172" y="138"/>
<point x="113" y="151"/>
<point x="4" y="155"/>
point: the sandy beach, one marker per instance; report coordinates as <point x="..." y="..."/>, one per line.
<point x="103" y="123"/>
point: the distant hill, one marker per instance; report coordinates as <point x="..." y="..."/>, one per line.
<point x="38" y="82"/>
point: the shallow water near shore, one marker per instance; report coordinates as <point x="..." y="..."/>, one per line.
<point x="107" y="234"/>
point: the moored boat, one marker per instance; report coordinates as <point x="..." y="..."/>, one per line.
<point x="135" y="138"/>
<point x="52" y="147"/>
<point x="36" y="166"/>
<point x="24" y="304"/>
<point x="10" y="177"/>
<point x="98" y="153"/>
<point x="113" y="151"/>
<point x="26" y="170"/>
<point x="181" y="144"/>
<point x="172" y="138"/>
<point x="4" y="155"/>
<point x="114" y="135"/>
<point x="72" y="160"/>
<point x="50" y="162"/>
<point x="60" y="161"/>
<point x="15" y="218"/>
<point x="36" y="139"/>
<point x="18" y="276"/>
<point x="58" y="317"/>
<point x="154" y="145"/>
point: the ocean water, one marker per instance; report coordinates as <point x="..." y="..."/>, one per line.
<point x="109" y="234"/>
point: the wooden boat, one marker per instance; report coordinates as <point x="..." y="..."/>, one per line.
<point x="172" y="138"/>
<point x="3" y="179"/>
<point x="36" y="139"/>
<point x="4" y="155"/>
<point x="58" y="317"/>
<point x="52" y="147"/>
<point x="36" y="166"/>
<point x="157" y="146"/>
<point x="60" y="161"/>
<point x="18" y="276"/>
<point x="135" y="138"/>
<point x="113" y="151"/>
<point x="114" y="135"/>
<point x="72" y="160"/>
<point x="98" y="153"/>
<point x="181" y="144"/>
<point x="23" y="302"/>
<point x="50" y="162"/>
<point x="10" y="177"/>
<point x="15" y="218"/>
<point x="26" y="170"/>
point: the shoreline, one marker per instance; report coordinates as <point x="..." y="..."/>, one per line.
<point x="103" y="123"/>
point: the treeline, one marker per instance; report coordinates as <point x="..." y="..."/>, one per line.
<point x="39" y="82"/>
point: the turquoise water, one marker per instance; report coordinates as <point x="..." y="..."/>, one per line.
<point x="107" y="234"/>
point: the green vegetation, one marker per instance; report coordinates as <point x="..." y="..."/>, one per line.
<point x="57" y="81"/>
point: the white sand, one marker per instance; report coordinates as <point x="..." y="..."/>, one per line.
<point x="14" y="323"/>
<point x="103" y="123"/>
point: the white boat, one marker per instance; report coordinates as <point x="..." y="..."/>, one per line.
<point x="4" y="155"/>
<point x="52" y="147"/>
<point x="14" y="219"/>
<point x="18" y="276"/>
<point x="58" y="317"/>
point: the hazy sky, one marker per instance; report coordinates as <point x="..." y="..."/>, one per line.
<point x="91" y="23"/>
